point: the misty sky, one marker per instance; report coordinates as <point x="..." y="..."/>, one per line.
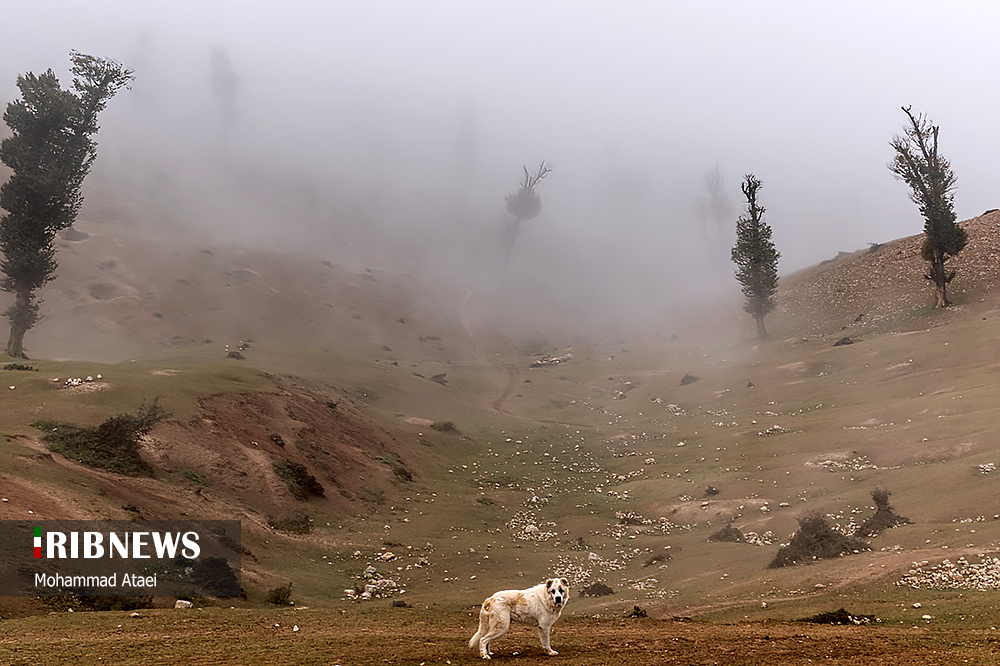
<point x="380" y="128"/>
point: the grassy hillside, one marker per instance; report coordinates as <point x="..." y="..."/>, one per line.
<point x="451" y="466"/>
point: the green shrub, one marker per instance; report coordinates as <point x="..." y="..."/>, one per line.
<point x="300" y="482"/>
<point x="191" y="475"/>
<point x="113" y="445"/>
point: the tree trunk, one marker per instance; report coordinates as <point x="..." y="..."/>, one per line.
<point x="761" y="331"/>
<point x="511" y="233"/>
<point x="20" y="322"/>
<point x="940" y="282"/>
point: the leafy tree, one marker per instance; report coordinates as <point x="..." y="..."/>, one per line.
<point x="755" y="257"/>
<point x="524" y="205"/>
<point x="50" y="152"/>
<point x="932" y="187"/>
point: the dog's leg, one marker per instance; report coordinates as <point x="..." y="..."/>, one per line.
<point x="474" y="641"/>
<point x="543" y="635"/>
<point x="484" y="624"/>
<point x="499" y="623"/>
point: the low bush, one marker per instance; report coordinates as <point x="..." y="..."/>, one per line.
<point x="20" y="367"/>
<point x="98" y="603"/>
<point x="596" y="590"/>
<point x="728" y="533"/>
<point x="280" y="596"/>
<point x="815" y="540"/>
<point x="113" y="445"/>
<point x="300" y="482"/>
<point x="884" y="516"/>
<point x="839" y="616"/>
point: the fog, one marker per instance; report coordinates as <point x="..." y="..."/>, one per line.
<point x="387" y="134"/>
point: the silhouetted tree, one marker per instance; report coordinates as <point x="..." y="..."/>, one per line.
<point x="50" y="152"/>
<point x="225" y="84"/>
<point x="525" y="205"/>
<point x="755" y="257"/>
<point x="932" y="187"/>
<point x="715" y="210"/>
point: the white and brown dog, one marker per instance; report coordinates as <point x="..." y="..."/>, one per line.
<point x="539" y="606"/>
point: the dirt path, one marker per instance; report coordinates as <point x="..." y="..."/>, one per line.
<point x="510" y="373"/>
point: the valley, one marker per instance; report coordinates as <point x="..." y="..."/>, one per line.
<point x="453" y="463"/>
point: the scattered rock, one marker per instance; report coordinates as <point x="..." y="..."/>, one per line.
<point x="550" y="360"/>
<point x="689" y="379"/>
<point x="843" y="341"/>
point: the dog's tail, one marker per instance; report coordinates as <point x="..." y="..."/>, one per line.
<point x="474" y="641"/>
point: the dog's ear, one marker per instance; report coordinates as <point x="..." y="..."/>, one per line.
<point x="548" y="584"/>
<point x="564" y="582"/>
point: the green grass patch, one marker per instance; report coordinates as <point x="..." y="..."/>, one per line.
<point x="191" y="475"/>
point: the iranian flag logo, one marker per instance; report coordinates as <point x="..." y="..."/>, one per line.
<point x="38" y="542"/>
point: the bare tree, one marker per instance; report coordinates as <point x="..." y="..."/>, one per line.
<point x="524" y="205"/>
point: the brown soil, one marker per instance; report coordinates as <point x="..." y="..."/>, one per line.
<point x="417" y="636"/>
<point x="221" y="463"/>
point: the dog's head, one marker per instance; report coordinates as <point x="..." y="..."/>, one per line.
<point x="558" y="589"/>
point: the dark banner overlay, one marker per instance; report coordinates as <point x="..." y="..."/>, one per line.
<point x="147" y="558"/>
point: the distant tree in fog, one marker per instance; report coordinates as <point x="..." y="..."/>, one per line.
<point x="225" y="85"/>
<point x="932" y="187"/>
<point x="715" y="210"/>
<point x="524" y="205"/>
<point x="755" y="257"/>
<point x="50" y="152"/>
